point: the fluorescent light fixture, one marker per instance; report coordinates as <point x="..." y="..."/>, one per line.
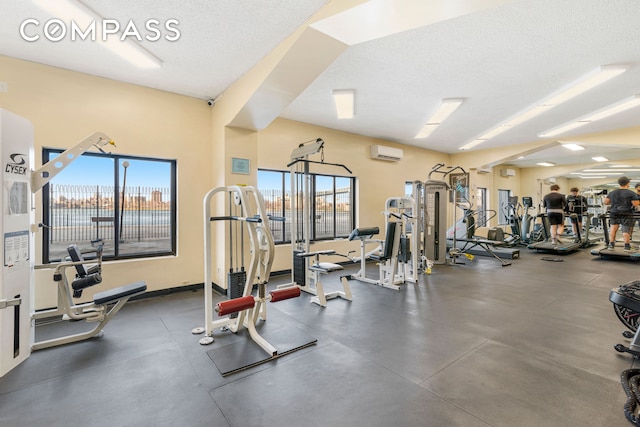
<point x="594" y="177"/>
<point x="494" y="132"/>
<point x="561" y="129"/>
<point x="620" y="166"/>
<point x="545" y="164"/>
<point x="610" y="110"/>
<point x="74" y="10"/>
<point x="587" y="82"/>
<point x="344" y="100"/>
<point x="472" y="144"/>
<point x="426" y="130"/>
<point x="573" y="147"/>
<point x="600" y="159"/>
<point x="446" y="108"/>
<point x="529" y="114"/>
<point x="616" y="170"/>
<point x="600" y="173"/>
<point x="579" y="86"/>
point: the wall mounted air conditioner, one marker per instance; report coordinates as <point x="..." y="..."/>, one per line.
<point x="507" y="172"/>
<point x="483" y="171"/>
<point x="550" y="181"/>
<point x="380" y="152"/>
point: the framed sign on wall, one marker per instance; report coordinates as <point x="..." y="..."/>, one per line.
<point x="240" y="166"/>
<point x="460" y="185"/>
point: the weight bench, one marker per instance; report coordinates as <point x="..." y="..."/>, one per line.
<point x="104" y="306"/>
<point x="317" y="269"/>
<point x="470" y="243"/>
<point x="626" y="304"/>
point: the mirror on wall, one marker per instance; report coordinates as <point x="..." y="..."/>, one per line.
<point x="591" y="164"/>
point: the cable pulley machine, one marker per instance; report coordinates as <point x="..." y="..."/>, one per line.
<point x="307" y="268"/>
<point x="437" y="193"/>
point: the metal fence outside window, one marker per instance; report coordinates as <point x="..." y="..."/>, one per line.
<point x="84" y="213"/>
<point x="332" y="210"/>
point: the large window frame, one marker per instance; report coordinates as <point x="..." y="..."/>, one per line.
<point x="503" y="206"/>
<point x="143" y="225"/>
<point x="481" y="207"/>
<point x="326" y="225"/>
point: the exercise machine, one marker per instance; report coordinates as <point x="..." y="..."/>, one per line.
<point x="626" y="304"/>
<point x="561" y="246"/>
<point x="401" y="211"/>
<point x="103" y="306"/>
<point x="436" y="194"/>
<point x="20" y="181"/>
<point x="577" y="206"/>
<point x="417" y="226"/>
<point x="617" y="252"/>
<point x="393" y="255"/>
<point x="244" y="205"/>
<point x="440" y="244"/>
<point x="520" y="221"/>
<point x="467" y="242"/>
<point x="308" y="268"/>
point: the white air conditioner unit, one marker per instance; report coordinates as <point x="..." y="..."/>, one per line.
<point x="550" y="181"/>
<point x="507" y="172"/>
<point x="483" y="171"/>
<point x="381" y="152"/>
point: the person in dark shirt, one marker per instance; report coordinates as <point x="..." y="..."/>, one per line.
<point x="555" y="204"/>
<point x="576" y="204"/>
<point x="637" y="212"/>
<point x="623" y="202"/>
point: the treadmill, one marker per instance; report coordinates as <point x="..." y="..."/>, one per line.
<point x="565" y="246"/>
<point x="618" y="252"/>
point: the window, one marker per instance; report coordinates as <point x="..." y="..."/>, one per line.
<point x="125" y="203"/>
<point x="481" y="207"/>
<point x="503" y="206"/>
<point x="408" y="188"/>
<point x="333" y="199"/>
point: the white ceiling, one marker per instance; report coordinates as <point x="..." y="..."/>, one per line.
<point x="500" y="59"/>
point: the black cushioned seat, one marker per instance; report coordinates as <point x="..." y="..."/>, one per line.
<point x="367" y="232"/>
<point x="627" y="295"/>
<point x="120" y="292"/>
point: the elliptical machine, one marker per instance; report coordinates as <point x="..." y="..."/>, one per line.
<point x="527" y="220"/>
<point x="520" y="224"/>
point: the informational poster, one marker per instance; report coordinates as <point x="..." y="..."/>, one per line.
<point x="16" y="249"/>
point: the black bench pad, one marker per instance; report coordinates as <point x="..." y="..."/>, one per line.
<point x="118" y="293"/>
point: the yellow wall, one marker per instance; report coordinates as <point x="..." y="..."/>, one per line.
<point x="65" y="107"/>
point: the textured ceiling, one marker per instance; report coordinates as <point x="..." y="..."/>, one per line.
<point x="500" y="59"/>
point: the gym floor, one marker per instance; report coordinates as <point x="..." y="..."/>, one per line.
<point x="469" y="345"/>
